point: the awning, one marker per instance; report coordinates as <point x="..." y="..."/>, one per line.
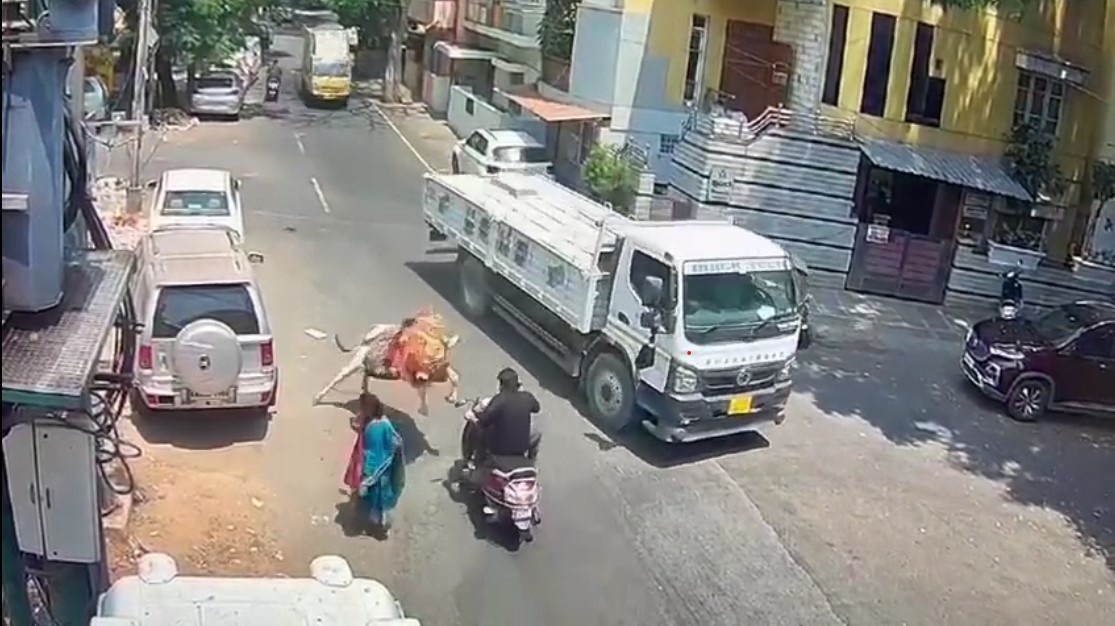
<point x="965" y="170"/>
<point x="552" y="110"/>
<point x="457" y="52"/>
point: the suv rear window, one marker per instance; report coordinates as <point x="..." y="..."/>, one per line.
<point x="203" y="203"/>
<point x="216" y="82"/>
<point x="521" y="154"/>
<point x="181" y="305"/>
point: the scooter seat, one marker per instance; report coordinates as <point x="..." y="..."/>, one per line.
<point x="510" y="468"/>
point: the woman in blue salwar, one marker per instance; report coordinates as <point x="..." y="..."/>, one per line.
<point x="383" y="474"/>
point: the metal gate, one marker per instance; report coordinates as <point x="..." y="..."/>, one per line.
<point x="893" y="262"/>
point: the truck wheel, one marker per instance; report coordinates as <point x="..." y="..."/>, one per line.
<point x="475" y="296"/>
<point x="609" y="392"/>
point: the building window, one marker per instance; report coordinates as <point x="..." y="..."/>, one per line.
<point x="838" y="39"/>
<point x="1038" y="101"/>
<point x="879" y="53"/>
<point x="695" y="61"/>
<point x="925" y="98"/>
<point x="667" y="143"/>
<point x="515" y="78"/>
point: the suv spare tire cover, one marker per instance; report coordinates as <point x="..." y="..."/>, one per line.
<point x="207" y="357"/>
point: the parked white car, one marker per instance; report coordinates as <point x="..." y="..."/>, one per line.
<point x="197" y="197"/>
<point x="494" y="151"/>
<point x="205" y="341"/>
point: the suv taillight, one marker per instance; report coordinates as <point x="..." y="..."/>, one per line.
<point x="266" y="354"/>
<point x="146" y="358"/>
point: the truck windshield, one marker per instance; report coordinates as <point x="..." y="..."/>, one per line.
<point x="734" y="307"/>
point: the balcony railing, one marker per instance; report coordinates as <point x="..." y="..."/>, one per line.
<point x="518" y="18"/>
<point x="712" y="118"/>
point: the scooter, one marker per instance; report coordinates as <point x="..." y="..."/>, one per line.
<point x="508" y="485"/>
<point x="272" y="91"/>
<point x="1010" y="296"/>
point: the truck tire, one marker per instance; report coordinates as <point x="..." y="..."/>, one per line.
<point x="609" y="392"/>
<point x="475" y="297"/>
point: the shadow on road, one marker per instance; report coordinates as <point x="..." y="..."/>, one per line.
<point x="500" y="535"/>
<point x="415" y="443"/>
<point x="1063" y="464"/>
<point x="442" y="277"/>
<point x="202" y="430"/>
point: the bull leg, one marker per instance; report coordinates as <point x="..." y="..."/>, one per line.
<point x="355" y="365"/>
<point x="454" y="385"/>
<point x="423" y="406"/>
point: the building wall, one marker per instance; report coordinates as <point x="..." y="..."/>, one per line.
<point x="977" y="55"/>
<point x="1106" y="148"/>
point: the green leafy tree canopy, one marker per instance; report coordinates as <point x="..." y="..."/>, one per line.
<point x="205" y="31"/>
<point x="611" y="177"/>
<point x="373" y="18"/>
<point x="556" y="28"/>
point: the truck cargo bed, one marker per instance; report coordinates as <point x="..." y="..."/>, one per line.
<point x="544" y="238"/>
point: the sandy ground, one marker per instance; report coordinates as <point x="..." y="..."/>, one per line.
<point x="213" y="521"/>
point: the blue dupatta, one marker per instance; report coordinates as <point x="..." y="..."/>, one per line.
<point x="384" y="472"/>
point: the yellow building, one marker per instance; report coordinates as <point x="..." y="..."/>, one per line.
<point x="961" y="80"/>
<point x="867" y="136"/>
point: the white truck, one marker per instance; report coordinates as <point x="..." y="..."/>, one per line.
<point x="696" y="322"/>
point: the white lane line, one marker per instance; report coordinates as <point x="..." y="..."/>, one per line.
<point x="401" y="136"/>
<point x="320" y="194"/>
<point x="301" y="146"/>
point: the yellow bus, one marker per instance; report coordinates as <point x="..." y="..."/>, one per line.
<point x="326" y="64"/>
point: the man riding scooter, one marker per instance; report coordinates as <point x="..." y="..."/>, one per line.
<point x="503" y="428"/>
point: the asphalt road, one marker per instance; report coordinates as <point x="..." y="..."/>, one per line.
<point x="892" y="495"/>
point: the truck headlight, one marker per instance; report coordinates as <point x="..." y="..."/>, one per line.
<point x="786" y="371"/>
<point x="685" y="380"/>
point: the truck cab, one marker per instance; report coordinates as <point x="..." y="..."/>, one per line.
<point x="723" y="325"/>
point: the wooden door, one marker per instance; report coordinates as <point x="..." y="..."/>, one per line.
<point x="754" y="68"/>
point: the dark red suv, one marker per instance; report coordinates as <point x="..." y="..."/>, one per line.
<point x="1061" y="361"/>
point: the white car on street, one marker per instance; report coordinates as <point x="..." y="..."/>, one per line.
<point x="494" y="151"/>
<point x="196" y="197"/>
<point x="204" y="340"/>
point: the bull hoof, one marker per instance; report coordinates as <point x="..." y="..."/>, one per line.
<point x="456" y="402"/>
<point x="424" y="410"/>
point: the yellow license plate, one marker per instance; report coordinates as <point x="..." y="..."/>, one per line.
<point x="740" y="405"/>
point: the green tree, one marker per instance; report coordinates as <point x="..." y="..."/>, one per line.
<point x="611" y="178"/>
<point x="557" y="27"/>
<point x="199" y="33"/>
<point x="382" y="24"/>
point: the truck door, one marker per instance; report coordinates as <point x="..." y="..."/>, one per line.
<point x="626" y="308"/>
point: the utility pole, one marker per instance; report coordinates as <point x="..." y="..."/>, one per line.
<point x="77" y="85"/>
<point x="139" y="103"/>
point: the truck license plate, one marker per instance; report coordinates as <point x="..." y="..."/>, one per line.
<point x="740" y="405"/>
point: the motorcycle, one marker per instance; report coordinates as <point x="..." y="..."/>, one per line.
<point x="1010" y="296"/>
<point x="272" y="91"/>
<point x="508" y="485"/>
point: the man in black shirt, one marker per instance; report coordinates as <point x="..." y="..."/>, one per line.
<point x="505" y="424"/>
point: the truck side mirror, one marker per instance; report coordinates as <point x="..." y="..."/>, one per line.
<point x="650" y="292"/>
<point x="645" y="358"/>
<point x="651" y="320"/>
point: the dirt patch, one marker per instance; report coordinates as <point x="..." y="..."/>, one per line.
<point x="211" y="522"/>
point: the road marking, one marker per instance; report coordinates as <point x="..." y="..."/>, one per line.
<point x="401" y="136"/>
<point x="301" y="146"/>
<point x="320" y="194"/>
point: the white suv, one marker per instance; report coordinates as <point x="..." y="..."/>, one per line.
<point x="205" y="341"/>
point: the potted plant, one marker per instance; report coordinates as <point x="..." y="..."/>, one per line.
<point x="1015" y="245"/>
<point x="1029" y="155"/>
<point x="611" y="178"/>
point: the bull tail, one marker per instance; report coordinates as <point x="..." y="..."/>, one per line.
<point x="340" y="346"/>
